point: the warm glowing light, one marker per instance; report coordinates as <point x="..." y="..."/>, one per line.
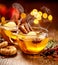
<point x="23" y="15"/>
<point x="38" y="16"/>
<point x="45" y="15"/>
<point x="50" y="17"/>
<point x="36" y="21"/>
<point x="34" y="12"/>
<point x="40" y="13"/>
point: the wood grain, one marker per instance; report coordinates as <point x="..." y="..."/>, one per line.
<point x="23" y="59"/>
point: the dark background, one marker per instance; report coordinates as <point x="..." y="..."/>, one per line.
<point x="31" y="4"/>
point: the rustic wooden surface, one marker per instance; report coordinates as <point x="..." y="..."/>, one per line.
<point x="22" y="59"/>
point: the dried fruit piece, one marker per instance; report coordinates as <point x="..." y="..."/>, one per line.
<point x="9" y="50"/>
<point x="3" y="44"/>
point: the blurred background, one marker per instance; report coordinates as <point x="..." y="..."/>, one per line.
<point x="31" y="4"/>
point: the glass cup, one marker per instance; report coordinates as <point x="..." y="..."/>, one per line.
<point x="35" y="42"/>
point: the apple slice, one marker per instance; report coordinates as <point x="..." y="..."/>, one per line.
<point x="13" y="14"/>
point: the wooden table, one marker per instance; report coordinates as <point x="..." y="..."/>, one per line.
<point x="23" y="59"/>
